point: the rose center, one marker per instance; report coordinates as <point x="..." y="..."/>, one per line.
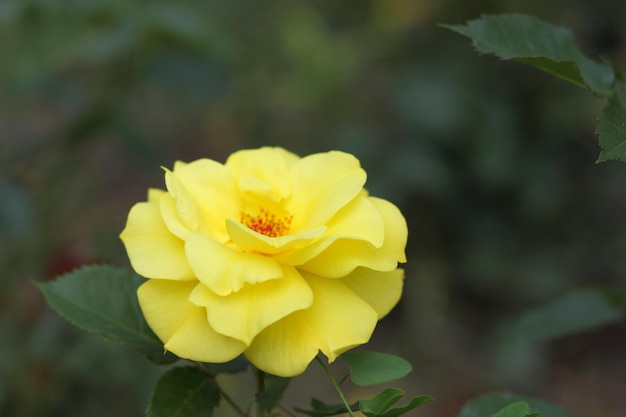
<point x="267" y="224"/>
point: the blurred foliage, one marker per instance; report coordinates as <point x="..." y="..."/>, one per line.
<point x="492" y="164"/>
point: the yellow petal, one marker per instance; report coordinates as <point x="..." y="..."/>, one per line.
<point x="338" y="320"/>
<point x="170" y="217"/>
<point x="209" y="195"/>
<point x="321" y="185"/>
<point x="344" y="255"/>
<point x="381" y="290"/>
<point x="165" y="305"/>
<point x="396" y="231"/>
<point x="182" y="326"/>
<point x="153" y="251"/>
<point x="186" y="208"/>
<point x="250" y="241"/>
<point x="263" y="168"/>
<point x="225" y="270"/>
<point x="197" y="341"/>
<point x="359" y="220"/>
<point x="154" y="195"/>
<point x="242" y="315"/>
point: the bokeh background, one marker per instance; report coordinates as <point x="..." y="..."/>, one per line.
<point x="492" y="164"/>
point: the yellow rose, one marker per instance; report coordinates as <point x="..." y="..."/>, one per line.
<point x="270" y="255"/>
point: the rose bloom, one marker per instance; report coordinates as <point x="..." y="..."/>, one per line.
<point x="270" y="255"/>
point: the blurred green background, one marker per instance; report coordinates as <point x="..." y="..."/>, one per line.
<point x="492" y="164"/>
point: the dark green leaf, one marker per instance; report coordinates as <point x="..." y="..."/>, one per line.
<point x="274" y="388"/>
<point x="540" y="44"/>
<point x="103" y="299"/>
<point x="611" y="129"/>
<point x="380" y="405"/>
<point x="370" y="368"/>
<point x="184" y="392"/>
<point x="570" y="313"/>
<point x="320" y="409"/>
<point x="490" y="404"/>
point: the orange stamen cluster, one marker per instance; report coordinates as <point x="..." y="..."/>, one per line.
<point x="267" y="224"/>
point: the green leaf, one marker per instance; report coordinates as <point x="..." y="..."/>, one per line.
<point x="540" y="44"/>
<point x="380" y="405"/>
<point x="274" y="388"/>
<point x="102" y="299"/>
<point x="320" y="409"/>
<point x="184" y="392"/>
<point x="370" y="368"/>
<point x="570" y="313"/>
<point x="491" y="404"/>
<point x="611" y="129"/>
<point x="518" y="409"/>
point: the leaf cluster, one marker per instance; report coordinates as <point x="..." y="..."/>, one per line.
<point x="102" y="299"/>
<point x="553" y="49"/>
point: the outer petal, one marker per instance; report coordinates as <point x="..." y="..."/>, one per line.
<point x="359" y="220"/>
<point x="181" y="325"/>
<point x="343" y="255"/>
<point x="154" y="252"/>
<point x="337" y="320"/>
<point x="396" y="231"/>
<point x="321" y="185"/>
<point x="213" y="190"/>
<point x="225" y="270"/>
<point x="186" y="208"/>
<point x="242" y="315"/>
<point x="170" y="217"/>
<point x="381" y="290"/>
<point x="154" y="195"/>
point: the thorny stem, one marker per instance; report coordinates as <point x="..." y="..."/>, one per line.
<point x="336" y="385"/>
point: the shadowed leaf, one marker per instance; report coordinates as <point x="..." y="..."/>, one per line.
<point x="542" y="45"/>
<point x="102" y="299"/>
<point x="380" y="405"/>
<point x="570" y="313"/>
<point x="184" y="392"/>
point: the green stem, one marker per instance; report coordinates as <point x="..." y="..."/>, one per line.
<point x="336" y="385"/>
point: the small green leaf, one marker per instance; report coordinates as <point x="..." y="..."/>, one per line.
<point x="540" y="44"/>
<point x="184" y="392"/>
<point x="102" y="299"/>
<point x="380" y="405"/>
<point x="518" y="409"/>
<point x="274" y="388"/>
<point x="570" y="313"/>
<point x="490" y="404"/>
<point x="320" y="409"/>
<point x="370" y="368"/>
<point x="611" y="129"/>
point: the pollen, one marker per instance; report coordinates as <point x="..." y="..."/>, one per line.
<point x="267" y="224"/>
